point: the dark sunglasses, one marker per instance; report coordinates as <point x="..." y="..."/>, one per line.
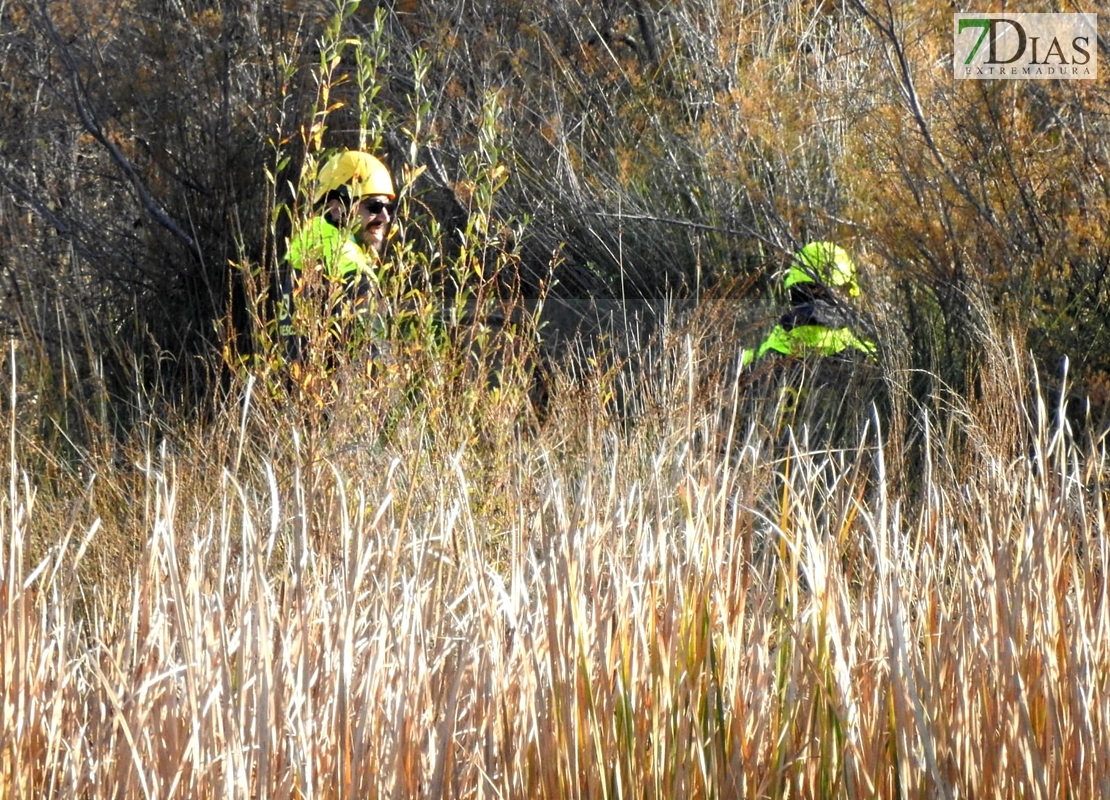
<point x="374" y="207"/>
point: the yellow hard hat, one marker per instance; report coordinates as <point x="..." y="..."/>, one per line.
<point x="360" y="172"/>
<point x="825" y="262"/>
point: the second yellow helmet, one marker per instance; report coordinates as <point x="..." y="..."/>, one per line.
<point x="825" y="262"/>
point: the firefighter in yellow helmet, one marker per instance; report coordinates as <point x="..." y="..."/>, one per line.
<point x="820" y="277"/>
<point x="355" y="204"/>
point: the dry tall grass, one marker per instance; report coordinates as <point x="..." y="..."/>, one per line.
<point x="688" y="604"/>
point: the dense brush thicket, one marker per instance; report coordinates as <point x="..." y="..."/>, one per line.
<point x="151" y="153"/>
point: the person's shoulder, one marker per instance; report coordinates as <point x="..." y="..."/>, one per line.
<point x="316" y="239"/>
<point x="317" y="230"/>
<point x="779" y="340"/>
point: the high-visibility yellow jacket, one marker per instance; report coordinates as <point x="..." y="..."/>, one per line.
<point x="343" y="262"/>
<point x="809" y="338"/>
<point x="321" y="243"/>
<point x="813" y="340"/>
